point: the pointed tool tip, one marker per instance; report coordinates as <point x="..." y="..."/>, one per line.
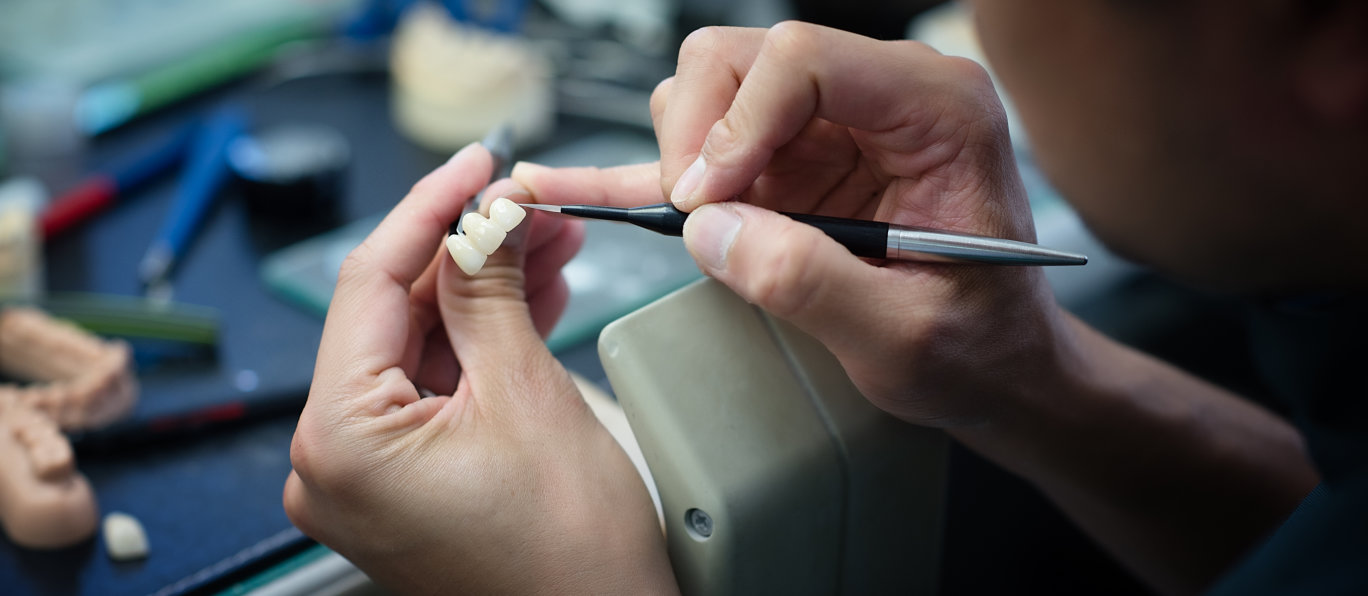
<point x="539" y="207"/>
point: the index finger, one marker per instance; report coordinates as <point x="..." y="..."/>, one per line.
<point x="621" y="186"/>
<point x="369" y="320"/>
<point x="712" y="63"/>
<point x="904" y="97"/>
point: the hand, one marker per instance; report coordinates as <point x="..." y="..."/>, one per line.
<point x="809" y="119"/>
<point x="502" y="483"/>
<point x="1173" y="475"/>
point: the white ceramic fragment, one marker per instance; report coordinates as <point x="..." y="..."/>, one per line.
<point x="124" y="537"/>
<point x="506" y="214"/>
<point x="467" y="257"/>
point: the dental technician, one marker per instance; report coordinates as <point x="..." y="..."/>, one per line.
<point x="1223" y="144"/>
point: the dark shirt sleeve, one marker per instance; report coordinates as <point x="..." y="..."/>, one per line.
<point x="1312" y="352"/>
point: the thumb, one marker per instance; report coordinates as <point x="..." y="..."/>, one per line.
<point x="790" y="269"/>
<point x="485" y="315"/>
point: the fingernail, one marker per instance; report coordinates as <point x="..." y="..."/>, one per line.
<point x="463" y="151"/>
<point x="709" y="233"/>
<point x="688" y="182"/>
<point x="526" y="168"/>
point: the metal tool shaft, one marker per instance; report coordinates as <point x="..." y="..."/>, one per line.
<point x="911" y="244"/>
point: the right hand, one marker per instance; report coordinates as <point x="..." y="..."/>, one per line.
<point x="808" y="119"/>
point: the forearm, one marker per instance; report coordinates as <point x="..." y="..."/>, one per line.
<point x="1176" y="477"/>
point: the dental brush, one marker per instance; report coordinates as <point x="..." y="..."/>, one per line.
<point x="871" y="239"/>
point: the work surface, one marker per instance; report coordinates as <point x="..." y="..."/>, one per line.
<point x="206" y="497"/>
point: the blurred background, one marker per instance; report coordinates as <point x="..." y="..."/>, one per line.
<point x="187" y="176"/>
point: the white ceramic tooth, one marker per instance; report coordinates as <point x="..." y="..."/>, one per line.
<point x="506" y="214"/>
<point x="124" y="537"/>
<point x="483" y="234"/>
<point x="467" y="257"/>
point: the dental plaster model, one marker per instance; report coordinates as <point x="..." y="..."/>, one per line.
<point x="44" y="501"/>
<point x="124" y="537"/>
<point x="483" y="235"/>
<point x="453" y="82"/>
<point x="79" y="380"/>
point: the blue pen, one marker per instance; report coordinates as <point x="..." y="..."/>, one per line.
<point x="206" y="171"/>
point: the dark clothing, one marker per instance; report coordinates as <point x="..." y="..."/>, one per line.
<point x="1312" y="352"/>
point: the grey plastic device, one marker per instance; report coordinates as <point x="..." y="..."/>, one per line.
<point x="775" y="474"/>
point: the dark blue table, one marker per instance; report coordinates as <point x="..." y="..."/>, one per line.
<point x="205" y="497"/>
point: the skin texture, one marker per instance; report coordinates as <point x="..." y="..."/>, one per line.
<point x="504" y="482"/>
<point x="1176" y="477"/>
<point x="44" y="502"/>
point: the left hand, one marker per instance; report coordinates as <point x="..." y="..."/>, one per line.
<point x="502" y="483"/>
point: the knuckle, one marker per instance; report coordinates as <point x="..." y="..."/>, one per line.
<point x="299" y="507"/>
<point x="356" y="265"/>
<point x="296" y="504"/>
<point x="319" y="455"/>
<point x="661" y="94"/>
<point x="660" y="97"/>
<point x="302" y="449"/>
<point x="355" y="260"/>
<point x="724" y="138"/>
<point x="700" y="44"/>
<point x="976" y="88"/>
<point x="969" y="71"/>
<point x="742" y="135"/>
<point x="794" y="40"/>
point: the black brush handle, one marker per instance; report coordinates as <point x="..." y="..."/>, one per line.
<point x="662" y="218"/>
<point x="862" y="238"/>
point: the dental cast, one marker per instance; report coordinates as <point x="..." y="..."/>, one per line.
<point x="45" y="502"/>
<point x="483" y="235"/>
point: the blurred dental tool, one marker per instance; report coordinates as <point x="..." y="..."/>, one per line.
<point x="114" y="102"/>
<point x="206" y="171"/>
<point x="99" y="191"/>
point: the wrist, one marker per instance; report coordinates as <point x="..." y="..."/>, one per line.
<point x="606" y="535"/>
<point x="1035" y="415"/>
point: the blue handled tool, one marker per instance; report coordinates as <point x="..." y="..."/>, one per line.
<point x="206" y="171"/>
<point x="101" y="190"/>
